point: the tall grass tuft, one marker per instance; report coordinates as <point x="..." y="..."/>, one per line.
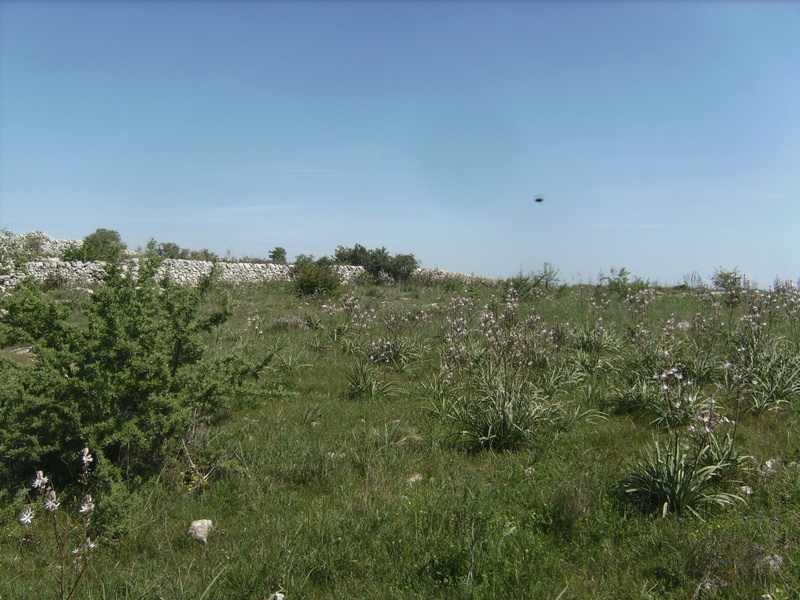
<point x="672" y="479"/>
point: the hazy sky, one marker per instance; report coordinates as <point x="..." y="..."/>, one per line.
<point x="664" y="136"/>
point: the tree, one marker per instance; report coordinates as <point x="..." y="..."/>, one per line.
<point x="171" y="250"/>
<point x="278" y="255"/>
<point x="104" y="245"/>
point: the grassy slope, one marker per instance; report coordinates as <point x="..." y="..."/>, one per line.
<point x="323" y="496"/>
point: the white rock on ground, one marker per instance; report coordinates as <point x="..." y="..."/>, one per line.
<point x="200" y="529"/>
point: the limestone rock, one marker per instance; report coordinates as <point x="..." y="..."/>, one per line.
<point x="200" y="529"/>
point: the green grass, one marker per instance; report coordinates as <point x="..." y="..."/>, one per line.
<point x="321" y="492"/>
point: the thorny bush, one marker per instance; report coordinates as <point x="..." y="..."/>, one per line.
<point x="126" y="376"/>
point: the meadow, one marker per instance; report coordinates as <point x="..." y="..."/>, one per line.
<point x="423" y="440"/>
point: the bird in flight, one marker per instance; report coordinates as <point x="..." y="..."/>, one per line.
<point x="539" y="199"/>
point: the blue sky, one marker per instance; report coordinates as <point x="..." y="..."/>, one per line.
<point x="664" y="136"/>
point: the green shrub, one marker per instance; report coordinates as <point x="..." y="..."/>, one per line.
<point x="204" y="254"/>
<point x="127" y="384"/>
<point x="104" y="245"/>
<point x="32" y="317"/>
<point x="378" y="263"/>
<point x="311" y="276"/>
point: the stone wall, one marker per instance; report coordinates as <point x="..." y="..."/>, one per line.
<point x="184" y="272"/>
<point x="189" y="272"/>
<point x="42" y="250"/>
<point x="34" y="245"/>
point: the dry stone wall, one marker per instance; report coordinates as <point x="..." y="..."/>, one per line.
<point x="184" y="272"/>
<point x="190" y="272"/>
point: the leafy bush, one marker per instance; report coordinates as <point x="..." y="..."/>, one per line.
<point x="128" y="383"/>
<point x="104" y="245"/>
<point x="32" y="317"/>
<point x="729" y="281"/>
<point x="378" y="263"/>
<point x="311" y="276"/>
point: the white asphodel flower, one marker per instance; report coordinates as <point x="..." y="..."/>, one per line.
<point x="87" y="506"/>
<point x="40" y="480"/>
<point x="27" y="516"/>
<point x="50" y="502"/>
<point x="86" y="457"/>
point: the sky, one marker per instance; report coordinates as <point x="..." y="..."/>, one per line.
<point x="663" y="136"/>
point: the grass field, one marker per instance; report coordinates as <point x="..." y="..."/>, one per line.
<point x="456" y="442"/>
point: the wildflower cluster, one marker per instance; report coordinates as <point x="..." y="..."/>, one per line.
<point x="401" y="344"/>
<point x="397" y="324"/>
<point x="756" y="322"/>
<point x="254" y="324"/>
<point x="355" y="315"/>
<point x="64" y="530"/>
<point x="522" y="343"/>
<point x="705" y="327"/>
<point x="787" y="295"/>
<point x="598" y="304"/>
<point x="456" y="355"/>
<point x="397" y="352"/>
<point x="707" y="418"/>
<point x="497" y="325"/>
<point x="381" y="351"/>
<point x="521" y="346"/>
<point x="640" y="301"/>
<point x="505" y="374"/>
<point x="679" y="404"/>
<point x="670" y="328"/>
